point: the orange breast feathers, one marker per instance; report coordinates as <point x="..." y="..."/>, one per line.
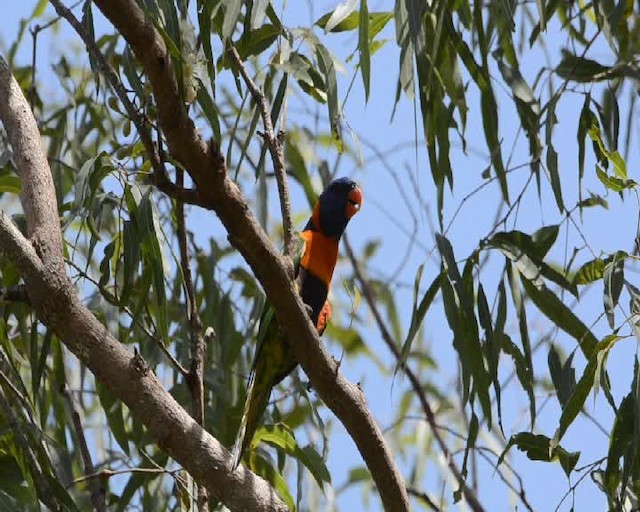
<point x="320" y="255"/>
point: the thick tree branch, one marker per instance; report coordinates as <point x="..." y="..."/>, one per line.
<point x="58" y="306"/>
<point x="273" y="142"/>
<point x="369" y="296"/>
<point x="207" y="168"/>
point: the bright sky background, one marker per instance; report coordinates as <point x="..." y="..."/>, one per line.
<point x="604" y="230"/>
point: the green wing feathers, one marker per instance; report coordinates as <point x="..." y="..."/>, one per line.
<point x="272" y="363"/>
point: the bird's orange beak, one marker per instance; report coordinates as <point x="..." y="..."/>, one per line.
<point x="354" y="202"/>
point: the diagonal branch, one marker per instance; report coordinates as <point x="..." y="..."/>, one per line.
<point x="273" y="142"/>
<point x="369" y="296"/>
<point x="58" y="306"/>
<point x="207" y="168"/>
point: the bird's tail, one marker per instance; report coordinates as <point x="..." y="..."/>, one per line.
<point x="254" y="406"/>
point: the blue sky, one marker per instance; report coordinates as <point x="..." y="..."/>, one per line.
<point x="385" y="206"/>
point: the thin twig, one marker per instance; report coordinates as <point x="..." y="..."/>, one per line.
<point x="423" y="496"/>
<point x="160" y="176"/>
<point x="273" y="141"/>
<point x="108" y="473"/>
<point x="195" y="377"/>
<point x="368" y="294"/>
<point x="183" y="371"/>
<point x="98" y="490"/>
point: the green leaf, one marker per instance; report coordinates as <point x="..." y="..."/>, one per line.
<point x="263" y="468"/>
<point x="146" y="217"/>
<point x="327" y="68"/>
<point x="418" y="313"/>
<point x="554" y="176"/>
<point x="231" y="14"/>
<point x="363" y="47"/>
<point x="593" y="200"/>
<point x="623" y="437"/>
<point x="255" y="42"/>
<point x="580" y="69"/>
<point x="10" y="184"/>
<point x="589" y="272"/>
<point x="613" y="279"/>
<point x="258" y="12"/>
<point x="583" y="126"/>
<point x="281" y="437"/>
<point x="490" y="124"/>
<point x="527" y="253"/>
<point x="539" y="447"/>
<point x="342" y="18"/>
<point x="209" y="108"/>
<point x="471" y="443"/>
<point x="577" y="399"/>
<point x="114" y="413"/>
<point x="131" y="243"/>
<point x="563" y="375"/>
<point x="556" y="311"/>
<point x="613" y="183"/>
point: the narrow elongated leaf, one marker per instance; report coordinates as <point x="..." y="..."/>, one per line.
<point x="539" y="447"/>
<point x="583" y="125"/>
<point x="589" y="272"/>
<point x="524" y="372"/>
<point x="613" y="183"/>
<point x="231" y="13"/>
<point x="492" y="346"/>
<point x="527" y="253"/>
<point x="377" y="21"/>
<point x="583" y="388"/>
<point x="563" y="375"/>
<point x="258" y="12"/>
<point x="417" y="315"/>
<point x="556" y="311"/>
<point x="471" y="443"/>
<point x="580" y="69"/>
<point x="115" y="418"/>
<point x="613" y="279"/>
<point x="490" y="123"/>
<point x="264" y="468"/>
<point x="145" y="216"/>
<point x="363" y="47"/>
<point x="328" y="69"/>
<point x="282" y="437"/>
<point x="340" y="14"/>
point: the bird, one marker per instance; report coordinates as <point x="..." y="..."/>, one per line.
<point x="315" y="259"/>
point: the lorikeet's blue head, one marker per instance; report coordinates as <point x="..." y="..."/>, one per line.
<point x="340" y="201"/>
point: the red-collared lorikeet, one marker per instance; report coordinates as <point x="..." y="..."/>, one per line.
<point x="315" y="261"/>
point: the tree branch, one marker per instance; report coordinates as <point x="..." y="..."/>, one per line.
<point x="273" y="142"/>
<point x="207" y="168"/>
<point x="195" y="376"/>
<point x="98" y="490"/>
<point x="58" y="306"/>
<point x="369" y="296"/>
